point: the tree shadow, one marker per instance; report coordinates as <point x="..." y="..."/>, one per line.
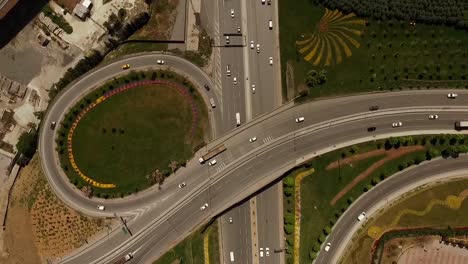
<point x="19" y="16"/>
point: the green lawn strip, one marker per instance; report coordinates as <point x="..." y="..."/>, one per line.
<point x="136" y="47"/>
<point x="134" y="136"/>
<point x="319" y="188"/>
<point x="289" y="208"/>
<point x="190" y="250"/>
<point x="58" y="19"/>
<point x="214" y="243"/>
<point x="438" y="217"/>
<point x="392" y="54"/>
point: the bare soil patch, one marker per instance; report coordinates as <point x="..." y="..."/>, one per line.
<point x="390" y="155"/>
<point x="163" y="15"/>
<point x="429" y="250"/>
<point x="39" y="226"/>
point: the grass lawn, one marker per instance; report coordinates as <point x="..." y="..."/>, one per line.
<point x="133" y="133"/>
<point x="190" y="250"/>
<point x="382" y="55"/>
<point x="318" y="189"/>
<point x="439" y="216"/>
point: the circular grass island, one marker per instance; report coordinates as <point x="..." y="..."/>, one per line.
<point x="131" y="133"/>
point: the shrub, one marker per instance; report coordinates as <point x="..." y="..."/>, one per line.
<point x="327" y="230"/>
<point x="288" y="229"/>
<point x="288" y="218"/>
<point x="288" y="181"/>
<point x="312" y="255"/>
<point x="288" y="191"/>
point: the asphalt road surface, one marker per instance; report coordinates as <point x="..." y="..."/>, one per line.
<point x="164" y="218"/>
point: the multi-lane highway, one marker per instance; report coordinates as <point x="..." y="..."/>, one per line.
<point x="165" y="217"/>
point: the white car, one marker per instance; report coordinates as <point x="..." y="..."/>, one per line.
<point x="101" y="207"/>
<point x="230" y="220"/>
<point x="267" y="252"/>
<point x="203" y="207"/>
<point x="327" y="247"/>
<point x="258" y="48"/>
<point x="261" y="252"/>
<point x="361" y="216"/>
<point x="452" y="95"/>
<point x="253" y="88"/>
<point x="433" y="116"/>
<point x="235" y="80"/>
<point x="227" y="39"/>
<point x="182" y="185"/>
<point x="212" y="162"/>
<point x="299" y="119"/>
<point x="161" y="62"/>
<point x="263" y="2"/>
<point x="271" y="60"/>
<point x="397" y="124"/>
<point x="252" y="45"/>
<point x="238" y="30"/>
<point x="252" y="139"/>
<point x="232" y="13"/>
<point x="228" y="70"/>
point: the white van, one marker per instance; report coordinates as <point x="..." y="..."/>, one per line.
<point x="213" y="105"/>
<point x="231" y="256"/>
<point x="238" y="122"/>
<point x="270" y="24"/>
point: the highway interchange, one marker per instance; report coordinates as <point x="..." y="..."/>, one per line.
<point x="159" y="219"/>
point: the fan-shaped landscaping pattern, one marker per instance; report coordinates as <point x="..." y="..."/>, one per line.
<point x="335" y="36"/>
<point x="181" y="90"/>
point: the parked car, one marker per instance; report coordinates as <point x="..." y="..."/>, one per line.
<point x="252" y="45"/>
<point x="261" y="252"/>
<point x="235" y="80"/>
<point x="270" y="60"/>
<point x="258" y="48"/>
<point x="232" y="13"/>
<point x="253" y="88"/>
<point x="230" y="220"/>
<point x="371" y="129"/>
<point x="212" y="162"/>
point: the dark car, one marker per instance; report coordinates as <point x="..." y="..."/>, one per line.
<point x="370" y="129"/>
<point x="374" y="107"/>
<point x="52" y="125"/>
<point x="207" y="87"/>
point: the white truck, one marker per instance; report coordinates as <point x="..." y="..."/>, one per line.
<point x="231" y="256"/>
<point x="212" y="153"/>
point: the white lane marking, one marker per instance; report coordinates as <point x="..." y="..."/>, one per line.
<point x="267" y="139"/>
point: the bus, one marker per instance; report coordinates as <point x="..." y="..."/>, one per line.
<point x="459" y="125"/>
<point x="231" y="255"/>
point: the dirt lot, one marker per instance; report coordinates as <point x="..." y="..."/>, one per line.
<point x="427" y="250"/>
<point x="163" y="15"/>
<point x="39" y="226"/>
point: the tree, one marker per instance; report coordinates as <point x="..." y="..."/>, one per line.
<point x="87" y="191"/>
<point x="174" y="165"/>
<point x="288" y="181"/>
<point x="288" y="229"/>
<point x="288" y="191"/>
<point x="27" y="143"/>
<point x="314" y="78"/>
<point x="312" y="255"/>
<point x="327" y="230"/>
<point x="156" y="177"/>
<point x="288" y="218"/>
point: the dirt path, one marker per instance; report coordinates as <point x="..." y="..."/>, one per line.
<point x="390" y="155"/>
<point x="355" y="158"/>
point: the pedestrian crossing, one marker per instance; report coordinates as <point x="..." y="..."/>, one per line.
<point x="267" y="139"/>
<point x="220" y="167"/>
